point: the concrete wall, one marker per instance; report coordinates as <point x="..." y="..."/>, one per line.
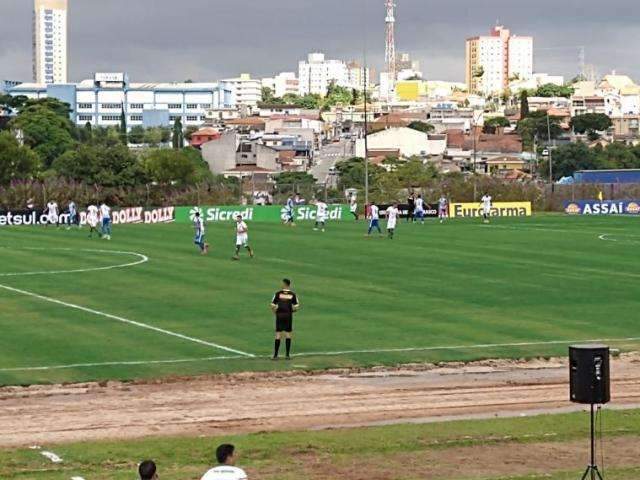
<point x="221" y="154"/>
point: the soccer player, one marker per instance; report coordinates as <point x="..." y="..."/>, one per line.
<point x="418" y="211"/>
<point x="321" y="215"/>
<point x="353" y="207"/>
<point x="105" y="214"/>
<point x="443" y="203"/>
<point x="226" y="469"/>
<point x="289" y="212"/>
<point x="411" y="201"/>
<point x="374" y="219"/>
<point x="52" y="214"/>
<point x="92" y="220"/>
<point x="486" y="208"/>
<point x="284" y="303"/>
<point x="392" y="219"/>
<point x="242" y="237"/>
<point x="74" y="219"/>
<point x="198" y="225"/>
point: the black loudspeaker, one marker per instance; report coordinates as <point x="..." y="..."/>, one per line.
<point x="589" y="374"/>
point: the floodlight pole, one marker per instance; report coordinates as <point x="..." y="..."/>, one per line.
<point x="549" y="148"/>
<point x="366" y="130"/>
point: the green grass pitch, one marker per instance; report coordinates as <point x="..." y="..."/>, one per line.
<point x="459" y="291"/>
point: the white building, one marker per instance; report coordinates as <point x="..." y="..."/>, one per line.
<point x="246" y="91"/>
<point x="282" y="84"/>
<point x="50" y="41"/>
<point x="408" y="141"/>
<point x="491" y="61"/>
<point x="357" y="75"/>
<point x="316" y="74"/>
<point x="101" y="100"/>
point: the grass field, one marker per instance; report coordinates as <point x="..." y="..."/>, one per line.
<point x="459" y="291"/>
<point x="550" y="447"/>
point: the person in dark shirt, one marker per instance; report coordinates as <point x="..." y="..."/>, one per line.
<point x="284" y="303"/>
<point x="411" y="201"/>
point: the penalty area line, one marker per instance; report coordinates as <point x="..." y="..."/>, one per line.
<point x="125" y="320"/>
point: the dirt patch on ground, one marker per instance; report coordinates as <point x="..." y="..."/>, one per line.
<point x="292" y="401"/>
<point x="478" y="461"/>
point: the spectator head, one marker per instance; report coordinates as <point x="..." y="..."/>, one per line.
<point x="225" y="454"/>
<point x="147" y="470"/>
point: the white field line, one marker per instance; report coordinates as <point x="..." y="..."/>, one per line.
<point x="336" y="353"/>
<point x="116" y="364"/>
<point x="125" y="320"/>
<point x="463" y="347"/>
<point x="141" y="259"/>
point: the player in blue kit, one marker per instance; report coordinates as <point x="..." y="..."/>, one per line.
<point x="198" y="225"/>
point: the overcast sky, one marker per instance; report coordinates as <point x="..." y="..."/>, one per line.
<point x="164" y="40"/>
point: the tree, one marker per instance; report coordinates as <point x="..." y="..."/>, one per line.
<point x="178" y="135"/>
<point x="170" y="167"/>
<point x="492" y="124"/>
<point x="295" y="178"/>
<point x="190" y="130"/>
<point x="535" y="125"/>
<point x="267" y="95"/>
<point x="351" y="173"/>
<point x="414" y="173"/>
<point x="45" y="129"/>
<point x="136" y="135"/>
<point x="16" y="162"/>
<point x="569" y="158"/>
<point x="553" y="90"/>
<point x="421" y="126"/>
<point x="591" y="123"/>
<point x="524" y="104"/>
<point x="153" y="136"/>
<point x="123" y="127"/>
<point x="98" y="164"/>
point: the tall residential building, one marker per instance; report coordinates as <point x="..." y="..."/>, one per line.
<point x="316" y="74"/>
<point x="246" y="91"/>
<point x="357" y="74"/>
<point x="282" y="84"/>
<point x="50" y="41"/>
<point x="493" y="60"/>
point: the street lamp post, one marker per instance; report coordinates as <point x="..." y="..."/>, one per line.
<point x="549" y="148"/>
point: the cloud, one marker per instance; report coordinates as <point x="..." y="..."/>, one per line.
<point x="162" y="40"/>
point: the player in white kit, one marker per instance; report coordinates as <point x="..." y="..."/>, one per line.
<point x="443" y="203"/>
<point x="242" y="238"/>
<point x="374" y="219"/>
<point x="419" y="209"/>
<point x="486" y="208"/>
<point x="353" y="207"/>
<point x="92" y="220"/>
<point x="392" y="219"/>
<point x="105" y="214"/>
<point x="52" y="213"/>
<point x="321" y="215"/>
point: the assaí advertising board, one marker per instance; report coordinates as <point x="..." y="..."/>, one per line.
<point x="609" y="207"/>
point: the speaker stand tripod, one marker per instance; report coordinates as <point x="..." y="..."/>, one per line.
<point x="592" y="472"/>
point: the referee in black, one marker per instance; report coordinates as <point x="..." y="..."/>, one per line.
<point x="284" y="303"/>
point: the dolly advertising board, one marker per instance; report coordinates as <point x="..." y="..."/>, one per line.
<point x="596" y="207"/>
<point x="498" y="209"/>
<point x="118" y="216"/>
<point x="256" y="213"/>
